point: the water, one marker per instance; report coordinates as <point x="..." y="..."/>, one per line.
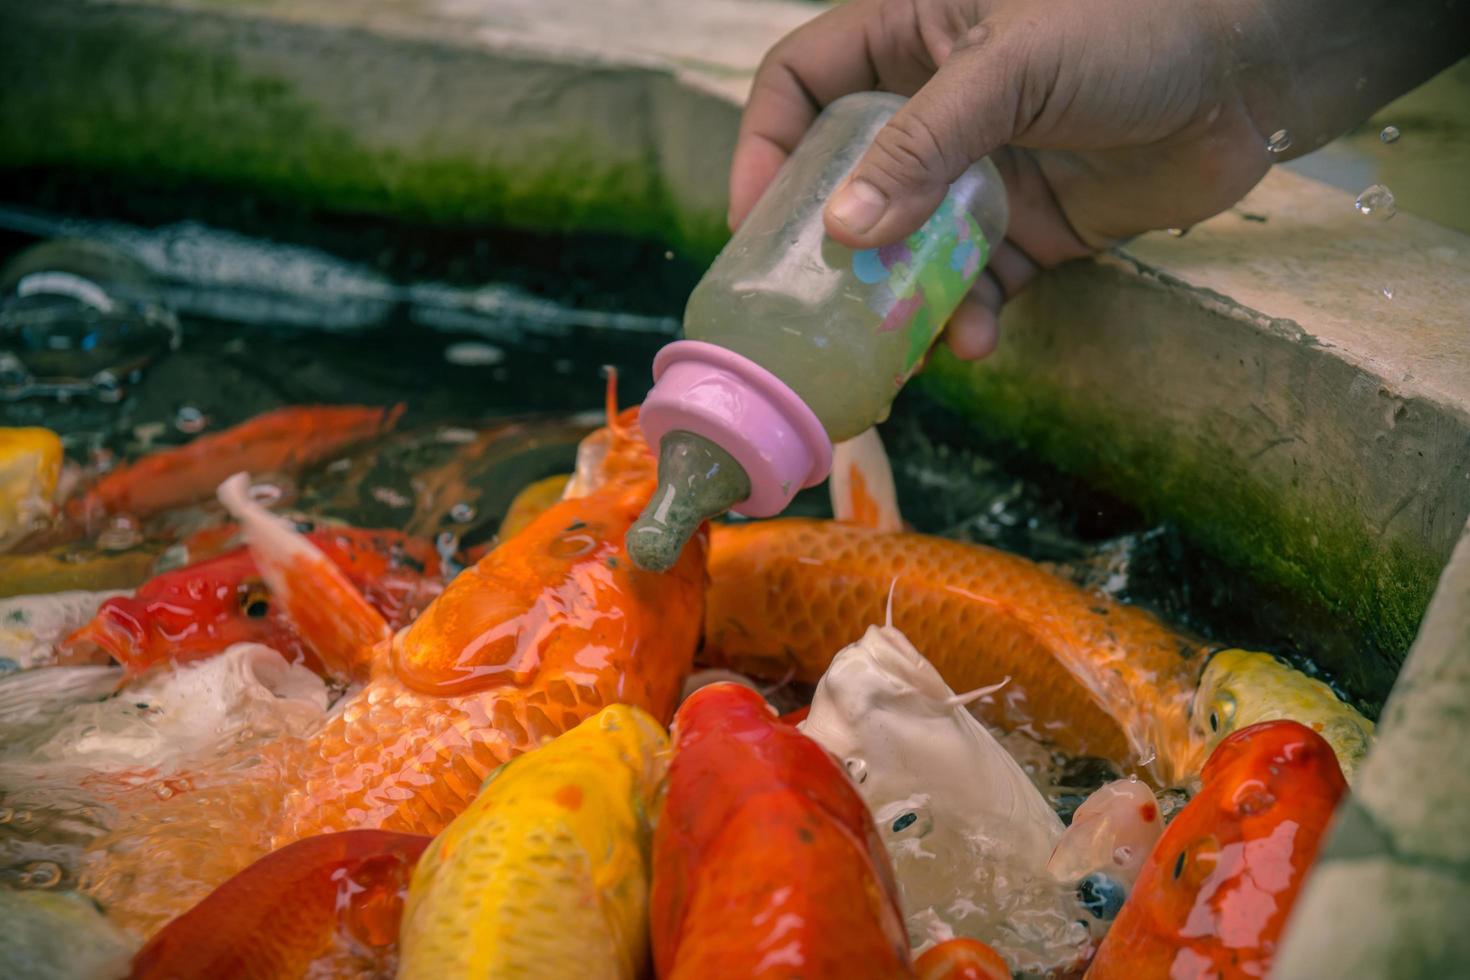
<point x="247" y="344"/>
<point x="1376" y="202"/>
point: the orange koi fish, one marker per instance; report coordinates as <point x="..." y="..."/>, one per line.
<point x="1217" y="890"/>
<point x="962" y="959"/>
<point x="200" y="609"/>
<point x="284" y="440"/>
<point x="324" y="906"/>
<point x="546" y="630"/>
<point x="1092" y="675"/>
<point x="766" y="862"/>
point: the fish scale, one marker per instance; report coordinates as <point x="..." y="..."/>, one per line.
<point x="1089" y="674"/>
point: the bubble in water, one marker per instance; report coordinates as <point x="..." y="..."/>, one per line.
<point x="41" y="874"/>
<point x="1389" y="134"/>
<point x="190" y="420"/>
<point x="1279" y="142"/>
<point x="462" y="513"/>
<point x="120" y="534"/>
<point x="1376" y="202"/>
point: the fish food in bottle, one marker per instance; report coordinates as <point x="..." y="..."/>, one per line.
<point x="794" y="341"/>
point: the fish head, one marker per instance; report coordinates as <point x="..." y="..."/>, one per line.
<point x="1240" y="688"/>
<point x="920" y="759"/>
<point x="188" y="613"/>
<point x="1225" y="872"/>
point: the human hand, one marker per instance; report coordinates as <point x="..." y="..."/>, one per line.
<point x="1107" y="118"/>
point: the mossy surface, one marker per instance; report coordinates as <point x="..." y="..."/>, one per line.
<point x="1312" y="546"/>
<point x="118" y="93"/>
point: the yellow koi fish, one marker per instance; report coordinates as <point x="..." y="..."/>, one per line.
<point x="546" y="874"/>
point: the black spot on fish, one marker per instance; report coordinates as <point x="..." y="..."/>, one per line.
<point x="1179" y="866"/>
<point x="612" y="561"/>
<point x="141" y="705"/>
<point x="904" y="820"/>
<point x="576" y="525"/>
<point x="805" y="835"/>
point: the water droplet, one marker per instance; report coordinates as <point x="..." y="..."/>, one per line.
<point x="669" y="256"/>
<point x="163" y="791"/>
<point x="1279" y="142"/>
<point x="1388" y="292"/>
<point x="1178" y="232"/>
<point x="41" y="874"/>
<point x="462" y="513"/>
<point x="190" y="420"/>
<point x="1390" y="134"/>
<point x="1376" y="202"/>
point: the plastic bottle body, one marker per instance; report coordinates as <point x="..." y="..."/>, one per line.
<point x="843" y="329"/>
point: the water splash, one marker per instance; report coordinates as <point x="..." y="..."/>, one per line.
<point x="1376" y="202"/>
<point x="1279" y="141"/>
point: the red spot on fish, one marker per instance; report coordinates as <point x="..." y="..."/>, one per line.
<point x="1148" y="812"/>
<point x="569" y="796"/>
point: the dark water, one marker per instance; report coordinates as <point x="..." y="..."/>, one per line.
<point x="466" y="326"/>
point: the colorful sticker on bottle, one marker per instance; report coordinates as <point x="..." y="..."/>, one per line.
<point x="921" y="280"/>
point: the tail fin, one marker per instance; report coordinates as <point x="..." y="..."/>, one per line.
<point x="333" y="618"/>
<point x="862" y="484"/>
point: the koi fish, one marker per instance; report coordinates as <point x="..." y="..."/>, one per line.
<point x="1091" y="675"/>
<point x="284" y="440"/>
<point x="173" y="715"/>
<point x="968" y="831"/>
<point x="1105" y="846"/>
<point x="30" y="464"/>
<point x="1217" y="890"/>
<point x="531" y="502"/>
<point x="766" y="862"/>
<point x="324" y="906"/>
<point x="31" y="626"/>
<point x="546" y="873"/>
<point x="1239" y="689"/>
<point x="200" y="609"/>
<point x="546" y="630"/>
<point x="962" y="959"/>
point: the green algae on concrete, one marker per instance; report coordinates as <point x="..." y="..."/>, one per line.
<point x="1388" y="895"/>
<point x="319" y="116"/>
<point x="1273" y="457"/>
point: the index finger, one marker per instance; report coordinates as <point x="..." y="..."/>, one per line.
<point x="816" y="64"/>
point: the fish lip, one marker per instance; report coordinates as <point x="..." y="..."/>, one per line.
<point x="113" y="632"/>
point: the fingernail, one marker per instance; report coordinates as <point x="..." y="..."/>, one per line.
<point x="858" y="206"/>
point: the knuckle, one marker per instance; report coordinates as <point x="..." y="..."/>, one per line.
<point x="910" y="150"/>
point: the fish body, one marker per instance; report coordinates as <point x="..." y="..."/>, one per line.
<point x="30" y="464"/>
<point x="1213" y="897"/>
<point x="69" y="569"/>
<point x="969" y="832"/>
<point x="284" y="440"/>
<point x="766" y="862"/>
<point x="174" y="715"/>
<point x="1088" y="674"/>
<point x="201" y="609"/>
<point x="324" y="906"/>
<point x="546" y="873"/>
<point x="962" y="959"/>
<point x="31" y="626"/>
<point x="549" y="628"/>
<point x="1240" y="688"/>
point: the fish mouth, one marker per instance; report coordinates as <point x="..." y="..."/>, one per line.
<point x="112" y="634"/>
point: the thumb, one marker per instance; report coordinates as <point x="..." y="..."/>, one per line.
<point x="963" y="113"/>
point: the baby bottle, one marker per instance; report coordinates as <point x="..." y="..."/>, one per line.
<point x="794" y="342"/>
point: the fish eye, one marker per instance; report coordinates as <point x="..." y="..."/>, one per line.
<point x="905" y="820"/>
<point x="1214" y="721"/>
<point x="255" y="601"/>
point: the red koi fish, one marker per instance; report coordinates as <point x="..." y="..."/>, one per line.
<point x="327" y="905"/>
<point x="284" y="440"/>
<point x="199" y="610"/>
<point x="1216" y="892"/>
<point x="766" y="861"/>
<point x="962" y="959"/>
